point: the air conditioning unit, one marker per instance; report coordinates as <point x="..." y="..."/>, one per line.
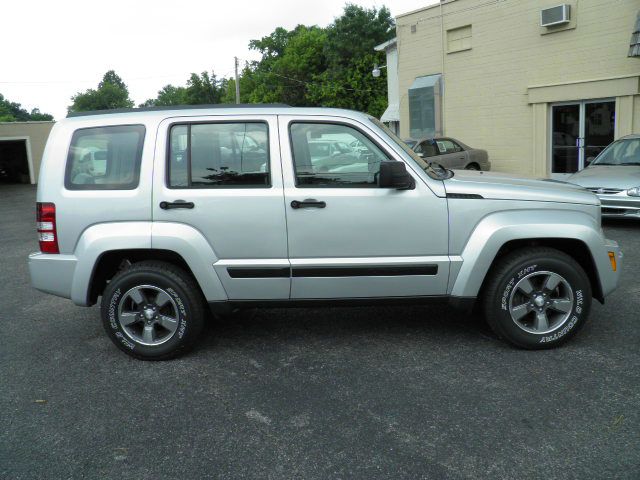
<point x="555" y="15"/>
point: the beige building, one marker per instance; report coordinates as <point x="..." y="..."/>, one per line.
<point x="21" y="148"/>
<point x="541" y="99"/>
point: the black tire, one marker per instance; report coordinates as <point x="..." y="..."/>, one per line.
<point x="185" y="301"/>
<point x="472" y="166"/>
<point x="504" y="290"/>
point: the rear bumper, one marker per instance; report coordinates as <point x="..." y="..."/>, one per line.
<point x="52" y="273"/>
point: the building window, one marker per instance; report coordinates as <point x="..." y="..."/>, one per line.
<point x="459" y="39"/>
<point x="425" y="107"/>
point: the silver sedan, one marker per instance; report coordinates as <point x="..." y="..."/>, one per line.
<point x="451" y="153"/>
<point x="614" y="176"/>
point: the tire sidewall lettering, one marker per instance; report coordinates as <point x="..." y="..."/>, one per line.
<point x="123" y="338"/>
<point x="506" y="294"/>
<point x="563" y="330"/>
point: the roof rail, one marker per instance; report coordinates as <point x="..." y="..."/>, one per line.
<point x="178" y="107"/>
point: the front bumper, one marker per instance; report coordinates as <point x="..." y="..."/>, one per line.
<point x="619" y="205"/>
<point x="610" y="278"/>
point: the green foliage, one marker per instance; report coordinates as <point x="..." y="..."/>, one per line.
<point x="167" y="96"/>
<point x="306" y="66"/>
<point x="202" y="89"/>
<point x="111" y="93"/>
<point x="13" y="112"/>
<point x="323" y="66"/>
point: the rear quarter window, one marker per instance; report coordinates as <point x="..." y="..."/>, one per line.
<point x="105" y="158"/>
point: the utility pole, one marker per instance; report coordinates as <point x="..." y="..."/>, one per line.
<point x="237" y="82"/>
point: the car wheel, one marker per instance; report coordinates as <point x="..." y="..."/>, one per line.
<point x="153" y="311"/>
<point x="538" y="298"/>
<point x="472" y="166"/>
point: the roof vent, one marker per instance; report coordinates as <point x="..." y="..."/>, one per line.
<point x="555" y="15"/>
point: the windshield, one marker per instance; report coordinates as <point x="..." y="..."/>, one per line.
<point x="419" y="160"/>
<point x="622" y="152"/>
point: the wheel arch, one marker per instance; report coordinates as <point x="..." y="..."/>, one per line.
<point x="111" y="262"/>
<point x="576" y="249"/>
<point x="103" y="247"/>
<point x="570" y="232"/>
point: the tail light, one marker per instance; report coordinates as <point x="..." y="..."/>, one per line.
<point x="46" y="225"/>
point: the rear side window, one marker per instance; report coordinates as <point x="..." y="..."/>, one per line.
<point x="105" y="158"/>
<point x="219" y="155"/>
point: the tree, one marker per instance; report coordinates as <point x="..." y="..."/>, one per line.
<point x="111" y="93"/>
<point x="322" y="66"/>
<point x="13" y="112"/>
<point x="202" y="89"/>
<point x="168" y="95"/>
<point x="347" y="81"/>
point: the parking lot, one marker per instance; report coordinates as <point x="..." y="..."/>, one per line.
<point x="388" y="392"/>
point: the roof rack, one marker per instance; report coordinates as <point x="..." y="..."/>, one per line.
<point x="178" y="107"/>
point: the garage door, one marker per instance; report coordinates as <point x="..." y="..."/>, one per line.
<point x="14" y="166"/>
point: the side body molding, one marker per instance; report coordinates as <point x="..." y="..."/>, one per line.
<point x="494" y="230"/>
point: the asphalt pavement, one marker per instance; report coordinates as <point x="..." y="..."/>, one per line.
<point x="385" y="392"/>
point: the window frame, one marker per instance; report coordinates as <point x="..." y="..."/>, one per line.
<point x="188" y="124"/>
<point x="332" y="122"/>
<point x="135" y="183"/>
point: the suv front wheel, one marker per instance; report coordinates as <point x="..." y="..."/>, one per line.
<point x="152" y="311"/>
<point x="537" y="298"/>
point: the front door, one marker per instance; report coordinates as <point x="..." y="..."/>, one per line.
<point x="348" y="238"/>
<point x="579" y="132"/>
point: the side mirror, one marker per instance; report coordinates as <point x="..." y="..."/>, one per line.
<point x="589" y="160"/>
<point x="394" y="174"/>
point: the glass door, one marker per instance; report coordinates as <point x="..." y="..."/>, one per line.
<point x="599" y="127"/>
<point x="565" y="135"/>
<point x="579" y="132"/>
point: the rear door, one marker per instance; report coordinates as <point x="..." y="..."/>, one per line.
<point x="229" y="168"/>
<point x="348" y="238"/>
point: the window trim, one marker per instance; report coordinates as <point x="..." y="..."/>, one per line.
<point x="188" y="124"/>
<point x="135" y="183"/>
<point x="332" y="122"/>
<point x="460" y="49"/>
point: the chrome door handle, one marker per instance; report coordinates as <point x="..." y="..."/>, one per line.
<point x="309" y="202"/>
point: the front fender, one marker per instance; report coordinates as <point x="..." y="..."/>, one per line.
<point x="495" y="230"/>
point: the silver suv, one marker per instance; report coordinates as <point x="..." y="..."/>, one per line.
<point x="217" y="209"/>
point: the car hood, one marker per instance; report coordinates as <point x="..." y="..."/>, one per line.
<point x="509" y="187"/>
<point x="608" y="176"/>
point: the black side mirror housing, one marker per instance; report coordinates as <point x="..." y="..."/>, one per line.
<point x="394" y="174"/>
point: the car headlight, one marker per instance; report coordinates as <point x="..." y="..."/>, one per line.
<point x="634" y="192"/>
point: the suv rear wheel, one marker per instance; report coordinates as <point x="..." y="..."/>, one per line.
<point x="537" y="298"/>
<point x="152" y="311"/>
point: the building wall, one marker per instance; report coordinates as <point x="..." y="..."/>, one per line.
<point x="497" y="94"/>
<point x="36" y="134"/>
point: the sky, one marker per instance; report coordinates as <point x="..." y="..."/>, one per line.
<point x="54" y="49"/>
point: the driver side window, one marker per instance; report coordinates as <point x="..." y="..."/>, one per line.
<point x="334" y="155"/>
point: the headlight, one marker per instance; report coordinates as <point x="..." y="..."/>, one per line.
<point x="634" y="192"/>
